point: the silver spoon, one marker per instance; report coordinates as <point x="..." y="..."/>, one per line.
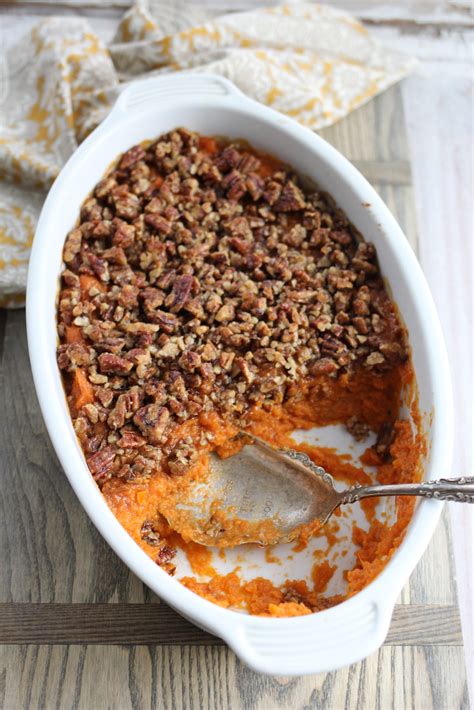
<point x="265" y="495"/>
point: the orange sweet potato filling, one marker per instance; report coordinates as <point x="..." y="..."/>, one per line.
<point x="374" y="399"/>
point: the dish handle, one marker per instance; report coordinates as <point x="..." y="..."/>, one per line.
<point x="318" y="643"/>
<point x="147" y="92"/>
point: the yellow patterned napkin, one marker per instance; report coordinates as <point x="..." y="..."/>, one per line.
<point x="309" y="61"/>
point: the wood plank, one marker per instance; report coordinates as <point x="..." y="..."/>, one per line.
<point x="392" y="172"/>
<point x="141" y="624"/>
<point x="211" y="677"/>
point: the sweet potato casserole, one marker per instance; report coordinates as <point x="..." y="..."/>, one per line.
<point x="206" y="289"/>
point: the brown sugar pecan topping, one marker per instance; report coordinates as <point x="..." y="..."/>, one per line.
<point x="209" y="280"/>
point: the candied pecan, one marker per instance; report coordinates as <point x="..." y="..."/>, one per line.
<point x="163" y="558"/>
<point x="139" y="329"/>
<point x="243" y="366"/>
<point x="169" y="350"/>
<point x="357" y="428"/>
<point x="209" y="352"/>
<point x="128" y="296"/>
<point x="152" y="299"/>
<point x="99" y="266"/>
<point x="101" y="463"/>
<point x="104" y="395"/>
<point x="248" y="163"/>
<point x="115" y="255"/>
<point x="182" y="458"/>
<point x="165" y="554"/>
<point x="394" y="352"/>
<point x="91" y="211"/>
<point x="385" y="438"/>
<point x="103" y="229"/>
<point x="130" y="439"/>
<point x="228" y="158"/>
<point x="290" y="199"/>
<point x="180" y="292"/>
<point x="190" y="360"/>
<point x="255" y="185"/>
<point x="70" y="278"/>
<point x="375" y="358"/>
<point x="324" y="366"/>
<point x="127" y="205"/>
<point x="360" y="325"/>
<point x="116" y="418"/>
<point x="295" y="236"/>
<point x="75" y="354"/>
<point x="331" y="346"/>
<point x="149" y="534"/>
<point x="159" y="223"/>
<point x="152" y="420"/>
<point x="131" y="157"/>
<point x="271" y="192"/>
<point x="114" y="364"/>
<point x="166" y="321"/>
<point x="123" y="234"/>
<point x="72" y="245"/>
<point x="235" y="185"/>
<point x="225" y="313"/>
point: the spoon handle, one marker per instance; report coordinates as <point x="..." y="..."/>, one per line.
<point x="455" y="489"/>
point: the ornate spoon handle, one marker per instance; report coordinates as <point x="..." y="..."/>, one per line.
<point x="460" y="490"/>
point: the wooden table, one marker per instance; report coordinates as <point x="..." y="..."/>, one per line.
<point x="79" y="630"/>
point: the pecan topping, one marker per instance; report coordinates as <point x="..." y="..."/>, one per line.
<point x="204" y="280"/>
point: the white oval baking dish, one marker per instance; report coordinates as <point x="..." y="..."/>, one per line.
<point x="209" y="104"/>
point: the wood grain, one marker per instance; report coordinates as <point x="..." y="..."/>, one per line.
<point x="51" y="556"/>
<point x="158" y="624"/>
<point x="212" y="678"/>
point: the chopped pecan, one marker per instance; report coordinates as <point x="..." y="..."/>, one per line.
<point x="152" y="420"/>
<point x="149" y="534"/>
<point x="131" y="157"/>
<point x="180" y="293"/>
<point x="385" y="437"/>
<point x="130" y="439"/>
<point x="72" y="245"/>
<point x="290" y="199"/>
<point x="101" y="463"/>
<point x="127" y="205"/>
<point x="164" y="557"/>
<point x="182" y="458"/>
<point x="159" y="223"/>
<point x="114" y="364"/>
<point x="357" y="428"/>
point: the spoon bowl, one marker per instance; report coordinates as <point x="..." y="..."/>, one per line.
<point x="267" y="496"/>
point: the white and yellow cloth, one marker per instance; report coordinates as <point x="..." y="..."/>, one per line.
<point x="309" y="61"/>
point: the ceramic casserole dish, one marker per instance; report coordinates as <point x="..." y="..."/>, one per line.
<point x="211" y="105"/>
